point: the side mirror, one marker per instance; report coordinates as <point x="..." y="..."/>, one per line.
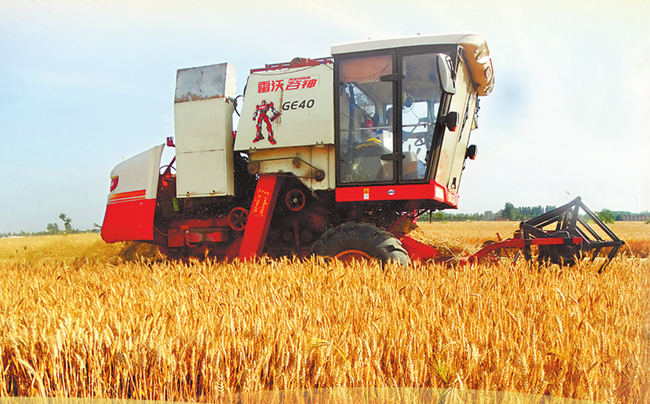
<point x="445" y="73"/>
<point x="471" y="152"/>
<point x="451" y="121"/>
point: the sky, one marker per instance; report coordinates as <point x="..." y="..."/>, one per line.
<point x="87" y="83"/>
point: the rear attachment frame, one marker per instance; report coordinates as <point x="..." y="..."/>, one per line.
<point x="571" y="238"/>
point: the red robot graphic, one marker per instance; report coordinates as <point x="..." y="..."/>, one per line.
<point x="262" y="115"/>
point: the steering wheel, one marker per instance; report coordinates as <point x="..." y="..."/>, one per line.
<point x="163" y="169"/>
<point x="420" y="139"/>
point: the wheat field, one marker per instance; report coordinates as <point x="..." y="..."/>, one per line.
<point x="80" y="318"/>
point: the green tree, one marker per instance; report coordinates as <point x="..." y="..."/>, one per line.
<point x="605" y="216"/>
<point x="510" y="212"/>
<point x="53" y="228"/>
<point x="66" y="222"/>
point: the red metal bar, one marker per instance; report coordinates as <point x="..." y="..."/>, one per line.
<point x="430" y="191"/>
<point x="418" y="251"/>
<point x="259" y="217"/>
<point x="520" y="243"/>
<point x="287" y="65"/>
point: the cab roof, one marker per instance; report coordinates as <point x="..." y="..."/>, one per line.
<point x="476" y="51"/>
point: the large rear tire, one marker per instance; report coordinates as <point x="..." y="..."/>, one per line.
<point x="359" y="241"/>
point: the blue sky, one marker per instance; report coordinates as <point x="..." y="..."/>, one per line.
<point x="87" y="83"/>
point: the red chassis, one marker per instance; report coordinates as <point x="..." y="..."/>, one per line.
<point x="225" y="234"/>
<point x="256" y="225"/>
<point x="265" y="199"/>
<point x="243" y="234"/>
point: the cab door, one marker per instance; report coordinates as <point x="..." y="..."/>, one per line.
<point x="420" y="98"/>
<point x="387" y="105"/>
<point x="365" y="121"/>
<point x="454" y="144"/>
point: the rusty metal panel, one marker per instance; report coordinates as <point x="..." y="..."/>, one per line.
<point x="205" y="82"/>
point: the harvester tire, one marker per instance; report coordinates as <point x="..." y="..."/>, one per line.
<point x="361" y="241"/>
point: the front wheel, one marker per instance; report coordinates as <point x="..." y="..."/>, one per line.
<point x="361" y="241"/>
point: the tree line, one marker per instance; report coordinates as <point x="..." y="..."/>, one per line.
<point x="511" y="212"/>
<point x="53" y="228"/>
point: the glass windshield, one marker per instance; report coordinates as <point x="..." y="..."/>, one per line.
<point x="365" y="119"/>
<point x="367" y="137"/>
<point x="421" y="97"/>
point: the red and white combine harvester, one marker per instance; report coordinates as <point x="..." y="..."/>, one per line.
<point x="334" y="156"/>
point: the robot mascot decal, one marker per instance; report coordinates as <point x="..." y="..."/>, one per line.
<point x="262" y="116"/>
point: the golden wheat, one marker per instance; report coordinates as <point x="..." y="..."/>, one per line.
<point x="80" y="320"/>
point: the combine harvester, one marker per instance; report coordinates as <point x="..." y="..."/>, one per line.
<point x="335" y="156"/>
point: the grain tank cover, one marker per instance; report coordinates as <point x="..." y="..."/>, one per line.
<point x="204" y="82"/>
<point x="203" y="108"/>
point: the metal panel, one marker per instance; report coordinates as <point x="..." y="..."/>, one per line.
<point x="139" y="172"/>
<point x="203" y="82"/>
<point x="204" y="148"/>
<point x="466" y="117"/>
<point x="415" y="40"/>
<point x="303" y="162"/>
<point x="260" y="215"/>
<point x="132" y="203"/>
<point x="203" y="174"/>
<point x="203" y="125"/>
<point x="286" y="108"/>
<point x="450" y="140"/>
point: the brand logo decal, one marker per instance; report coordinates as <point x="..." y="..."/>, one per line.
<point x="293" y="83"/>
<point x="391" y="192"/>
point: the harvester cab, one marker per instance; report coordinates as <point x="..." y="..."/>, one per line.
<point x="335" y="156"/>
<point x="385" y="120"/>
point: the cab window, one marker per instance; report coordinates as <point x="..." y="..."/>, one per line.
<point x="365" y="119"/>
